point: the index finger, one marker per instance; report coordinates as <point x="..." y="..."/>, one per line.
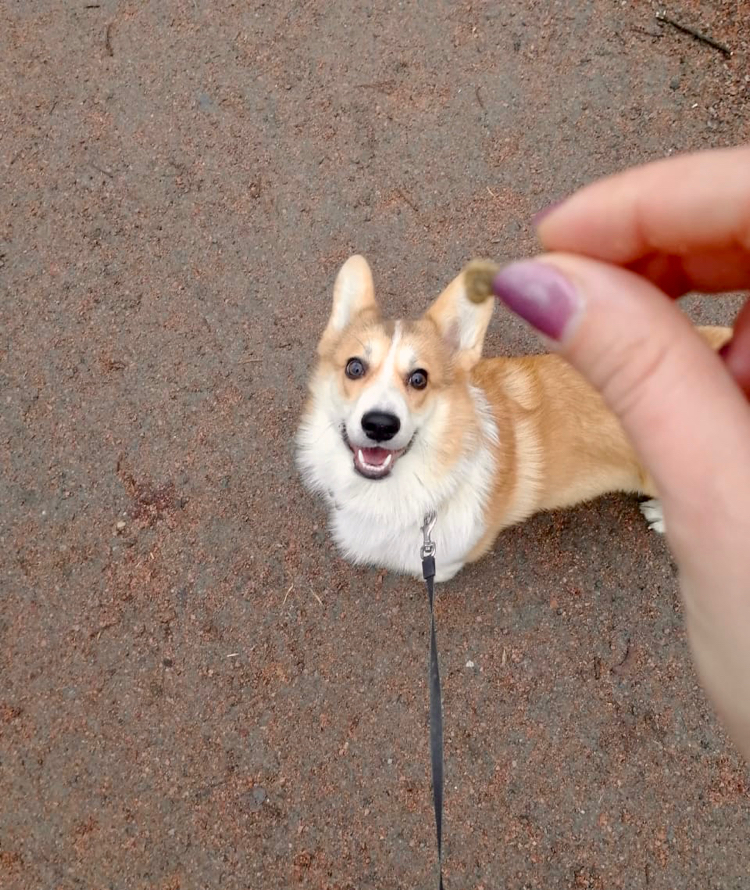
<point x="683" y="221"/>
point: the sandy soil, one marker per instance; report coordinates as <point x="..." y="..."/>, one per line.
<point x="195" y="691"/>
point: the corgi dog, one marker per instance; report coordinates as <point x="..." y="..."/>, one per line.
<point x="405" y="417"/>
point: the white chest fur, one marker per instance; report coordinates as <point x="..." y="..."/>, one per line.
<point x="396" y="547"/>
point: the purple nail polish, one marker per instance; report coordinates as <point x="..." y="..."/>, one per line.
<point x="545" y="212"/>
<point x="540" y="294"/>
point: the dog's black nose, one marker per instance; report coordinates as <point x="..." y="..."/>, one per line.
<point x="379" y="426"/>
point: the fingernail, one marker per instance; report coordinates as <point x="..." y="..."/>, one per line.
<point x="546" y="211"/>
<point x="540" y="294"/>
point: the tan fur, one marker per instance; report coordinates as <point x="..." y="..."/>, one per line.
<point x="568" y="447"/>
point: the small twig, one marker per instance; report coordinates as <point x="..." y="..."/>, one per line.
<point x="108" y="40"/>
<point x="250" y="361"/>
<point x="702" y="38"/>
<point x="407" y="200"/>
<point x="291" y="587"/>
<point x="479" y="98"/>
<point x="620" y="666"/>
<point x="103" y="170"/>
<point x="317" y="597"/>
<point x="381" y="86"/>
<point x="92" y="6"/>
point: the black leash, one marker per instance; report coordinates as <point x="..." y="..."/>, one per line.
<point x="427" y="553"/>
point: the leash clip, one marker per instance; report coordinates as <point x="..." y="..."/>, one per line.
<point x="428" y="546"/>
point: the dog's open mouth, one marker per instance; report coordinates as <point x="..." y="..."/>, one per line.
<point x="374" y="463"/>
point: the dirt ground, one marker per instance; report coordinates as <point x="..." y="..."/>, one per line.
<point x="195" y="691"/>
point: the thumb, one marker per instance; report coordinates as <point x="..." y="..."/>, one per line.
<point x="686" y="418"/>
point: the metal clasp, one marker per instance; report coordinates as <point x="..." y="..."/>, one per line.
<point x="428" y="546"/>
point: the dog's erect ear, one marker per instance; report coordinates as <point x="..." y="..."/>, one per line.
<point x="462" y="324"/>
<point x="353" y="295"/>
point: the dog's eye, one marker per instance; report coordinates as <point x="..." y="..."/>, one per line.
<point x="355" y="368"/>
<point x="418" y="379"/>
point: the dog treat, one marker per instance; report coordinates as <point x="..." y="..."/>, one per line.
<point x="478" y="275"/>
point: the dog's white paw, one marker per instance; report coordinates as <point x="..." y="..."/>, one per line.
<point x="654" y="516"/>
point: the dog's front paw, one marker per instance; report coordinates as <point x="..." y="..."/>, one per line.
<point x="654" y="516"/>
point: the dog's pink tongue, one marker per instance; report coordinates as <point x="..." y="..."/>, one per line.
<point x="375" y="457"/>
<point x="375" y="463"/>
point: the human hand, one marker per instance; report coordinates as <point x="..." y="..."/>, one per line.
<point x="623" y="246"/>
